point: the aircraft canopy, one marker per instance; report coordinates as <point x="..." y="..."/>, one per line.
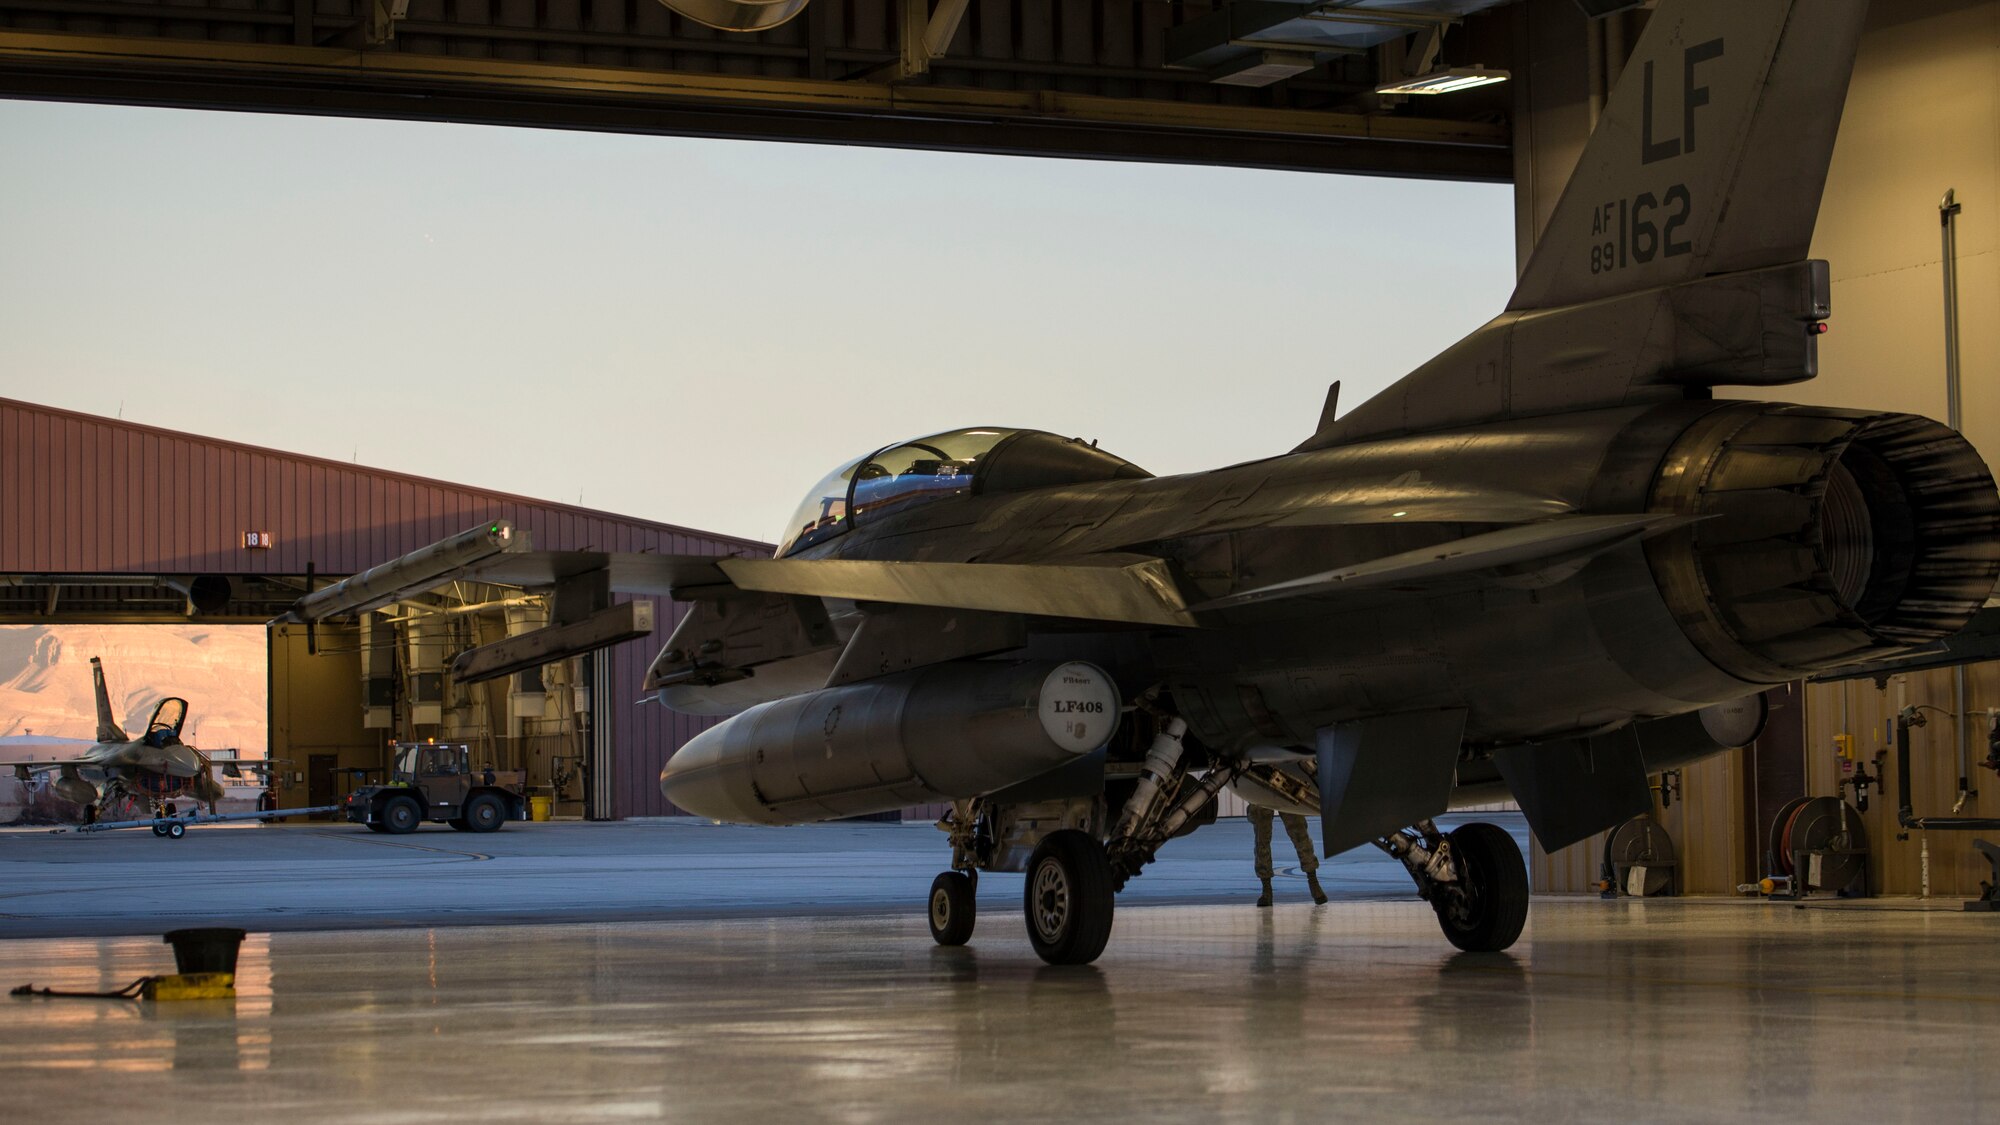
<point x="955" y="463"/>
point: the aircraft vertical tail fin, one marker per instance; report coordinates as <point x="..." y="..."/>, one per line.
<point x="108" y="729"/>
<point x="1675" y="260"/>
<point x="1710" y="155"/>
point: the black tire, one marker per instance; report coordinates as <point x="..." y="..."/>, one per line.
<point x="1068" y="898"/>
<point x="484" y="813"/>
<point x="954" y="908"/>
<point x="401" y="815"/>
<point x="176" y="830"/>
<point x="458" y="824"/>
<point x="159" y="829"/>
<point x="1489" y="916"/>
<point x="376" y="826"/>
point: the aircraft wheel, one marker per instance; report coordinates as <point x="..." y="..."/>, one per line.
<point x="1068" y="898"/>
<point x="484" y="814"/>
<point x="1487" y="914"/>
<point x="176" y="830"/>
<point x="953" y="908"/>
<point x="401" y="815"/>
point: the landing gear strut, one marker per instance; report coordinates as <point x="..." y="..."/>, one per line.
<point x="1067" y="897"/>
<point x="953" y="907"/>
<point x="1474" y="879"/>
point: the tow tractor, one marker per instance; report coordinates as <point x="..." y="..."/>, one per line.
<point x="434" y="781"/>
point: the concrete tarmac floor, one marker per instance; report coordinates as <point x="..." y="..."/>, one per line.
<point x="341" y="876"/>
<point x="1660" y="1010"/>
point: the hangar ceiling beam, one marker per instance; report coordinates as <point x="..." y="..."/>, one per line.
<point x="926" y="33"/>
<point x="1018" y="115"/>
<point x="382" y="18"/>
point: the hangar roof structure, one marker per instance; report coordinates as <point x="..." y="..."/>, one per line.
<point x="1287" y="84"/>
<point x="111" y="522"/>
<point x="107" y="520"/>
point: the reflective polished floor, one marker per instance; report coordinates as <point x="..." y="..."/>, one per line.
<point x="1671" y="1011"/>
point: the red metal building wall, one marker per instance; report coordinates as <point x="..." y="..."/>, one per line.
<point x="81" y="494"/>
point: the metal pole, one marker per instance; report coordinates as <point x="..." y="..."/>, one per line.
<point x="1948" y="209"/>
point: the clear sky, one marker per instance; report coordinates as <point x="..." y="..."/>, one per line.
<point x="695" y="331"/>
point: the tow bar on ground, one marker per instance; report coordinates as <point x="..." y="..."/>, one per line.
<point x="174" y="827"/>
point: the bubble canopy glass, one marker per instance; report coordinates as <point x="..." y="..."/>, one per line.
<point x="889" y="480"/>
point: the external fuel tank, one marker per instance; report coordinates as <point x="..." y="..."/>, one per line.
<point x="939" y="733"/>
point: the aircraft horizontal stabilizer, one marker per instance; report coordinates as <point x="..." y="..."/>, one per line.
<point x="1566" y="540"/>
<point x="1142" y="593"/>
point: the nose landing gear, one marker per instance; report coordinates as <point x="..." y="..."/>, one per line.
<point x="1068" y="893"/>
<point x="953" y="907"/>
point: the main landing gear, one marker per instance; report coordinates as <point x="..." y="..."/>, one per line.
<point x="1067" y="895"/>
<point x="1068" y="898"/>
<point x="1075" y="867"/>
<point x="1473" y="878"/>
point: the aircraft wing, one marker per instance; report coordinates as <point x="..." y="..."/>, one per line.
<point x="25" y="771"/>
<point x="1145" y="592"/>
<point x="626" y="572"/>
<point x="1140" y="593"/>
<point x="1130" y="589"/>
<point x="500" y="554"/>
<point x="236" y="765"/>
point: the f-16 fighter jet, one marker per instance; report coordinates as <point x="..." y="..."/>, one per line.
<point x="1545" y="564"/>
<point x="151" y="770"/>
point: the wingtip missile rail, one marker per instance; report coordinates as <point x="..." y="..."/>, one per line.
<point x="413" y="573"/>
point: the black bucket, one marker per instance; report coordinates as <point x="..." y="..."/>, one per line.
<point x="206" y="950"/>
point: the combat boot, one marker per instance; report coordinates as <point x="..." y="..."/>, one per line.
<point x="1265" y="898"/>
<point x="1319" y="892"/>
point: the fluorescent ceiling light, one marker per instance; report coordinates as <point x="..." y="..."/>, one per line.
<point x="1444" y="81"/>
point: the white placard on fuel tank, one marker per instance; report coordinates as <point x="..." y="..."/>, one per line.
<point x="1079" y="707"/>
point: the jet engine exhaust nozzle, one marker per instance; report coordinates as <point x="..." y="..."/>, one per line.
<point x="1823" y="537"/>
<point x="940" y="733"/>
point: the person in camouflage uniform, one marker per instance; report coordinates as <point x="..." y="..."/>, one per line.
<point x="1295" y="827"/>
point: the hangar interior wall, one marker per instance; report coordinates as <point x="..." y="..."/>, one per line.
<point x="1922" y="115"/>
<point x="337" y="711"/>
<point x="1859" y="708"/>
<point x="313" y="716"/>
